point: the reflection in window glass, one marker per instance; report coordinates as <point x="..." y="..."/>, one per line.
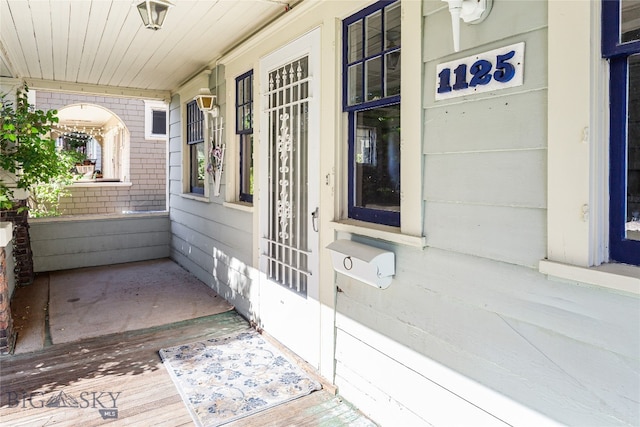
<point x="354" y="50"/>
<point x="377" y="159"/>
<point x="246" y="167"/>
<point x="373" y="80"/>
<point x="355" y="84"/>
<point x="392" y="74"/>
<point x="392" y="26"/>
<point x="197" y="168"/>
<point x="633" y="151"/>
<point x="373" y="28"/>
<point x="630" y="22"/>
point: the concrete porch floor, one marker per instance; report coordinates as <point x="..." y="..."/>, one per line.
<point x="70" y="305"/>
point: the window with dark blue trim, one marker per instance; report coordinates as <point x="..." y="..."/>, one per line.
<point x="621" y="45"/>
<point x="244" y="128"/>
<point x="371" y="99"/>
<point x="195" y="146"/>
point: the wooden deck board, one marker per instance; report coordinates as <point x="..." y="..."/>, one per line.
<point x="129" y="364"/>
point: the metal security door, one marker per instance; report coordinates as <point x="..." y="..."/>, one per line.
<point x="289" y="307"/>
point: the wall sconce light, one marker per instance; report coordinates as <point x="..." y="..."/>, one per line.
<point x="470" y="11"/>
<point x="207" y="102"/>
<point x="153" y="12"/>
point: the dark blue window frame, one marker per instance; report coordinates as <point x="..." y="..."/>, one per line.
<point x="195" y="136"/>
<point x="244" y="130"/>
<point x="621" y="249"/>
<point x="356" y="212"/>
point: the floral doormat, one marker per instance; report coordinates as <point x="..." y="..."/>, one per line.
<point x="227" y="378"/>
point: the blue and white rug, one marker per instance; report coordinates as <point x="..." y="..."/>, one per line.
<point x="227" y="378"/>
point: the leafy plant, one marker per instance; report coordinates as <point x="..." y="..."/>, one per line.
<point x="44" y="198"/>
<point x="27" y="151"/>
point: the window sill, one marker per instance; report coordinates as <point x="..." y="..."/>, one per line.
<point x="94" y="183"/>
<point x="100" y="217"/>
<point x="241" y="206"/>
<point x="376" y="231"/>
<point x="621" y="277"/>
<point x="195" y="196"/>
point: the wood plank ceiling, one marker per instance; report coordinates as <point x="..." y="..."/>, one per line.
<point x="103" y="42"/>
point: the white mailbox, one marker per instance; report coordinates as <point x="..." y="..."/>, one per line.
<point x="371" y="265"/>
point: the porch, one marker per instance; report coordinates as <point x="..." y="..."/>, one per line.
<point x="120" y="368"/>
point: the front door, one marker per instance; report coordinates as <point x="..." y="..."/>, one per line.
<point x="289" y="157"/>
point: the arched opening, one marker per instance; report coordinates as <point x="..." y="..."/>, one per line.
<point x="100" y="139"/>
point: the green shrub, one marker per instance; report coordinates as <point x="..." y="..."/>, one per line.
<point x="29" y="154"/>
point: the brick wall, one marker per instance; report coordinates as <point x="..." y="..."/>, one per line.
<point x="22" y="253"/>
<point x="147" y="189"/>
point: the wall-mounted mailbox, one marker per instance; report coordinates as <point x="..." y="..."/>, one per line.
<point x="371" y="265"/>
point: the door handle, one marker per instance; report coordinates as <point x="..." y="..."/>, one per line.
<point x="314" y="218"/>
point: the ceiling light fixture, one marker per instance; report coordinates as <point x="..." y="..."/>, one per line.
<point x="153" y="12"/>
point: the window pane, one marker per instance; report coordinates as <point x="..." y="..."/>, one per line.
<point x="244" y="103"/>
<point x="195" y="123"/>
<point x="392" y="26"/>
<point x="633" y="151"/>
<point x="246" y="167"/>
<point x="355" y="84"/>
<point x="354" y="42"/>
<point x="159" y="122"/>
<point x="373" y="28"/>
<point x="392" y="75"/>
<point x="240" y="118"/>
<point x="377" y="158"/>
<point x="373" y="82"/>
<point x="247" y="89"/>
<point x="197" y="167"/>
<point x="240" y="90"/>
<point x="246" y="117"/>
<point x="630" y="20"/>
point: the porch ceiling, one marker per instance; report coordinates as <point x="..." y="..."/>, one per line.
<point x="102" y="46"/>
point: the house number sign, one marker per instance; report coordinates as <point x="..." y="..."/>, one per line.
<point x="489" y="71"/>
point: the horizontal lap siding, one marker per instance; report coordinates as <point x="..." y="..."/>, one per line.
<point x="499" y="178"/>
<point x="485" y="155"/>
<point x="60" y="245"/>
<point x="471" y="313"/>
<point x="561" y="349"/>
<point x="452" y="128"/>
<point x="210" y="240"/>
<point x="513" y="235"/>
